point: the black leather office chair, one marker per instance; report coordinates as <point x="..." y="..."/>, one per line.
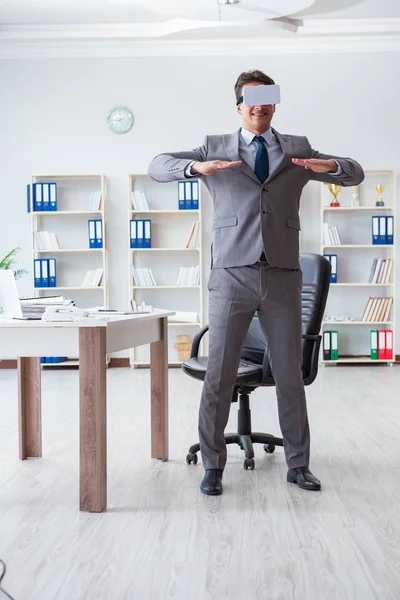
<point x="254" y="369"/>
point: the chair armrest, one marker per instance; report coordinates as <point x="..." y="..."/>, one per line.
<point x="194" y="352"/>
<point x="314" y="360"/>
<point x="266" y="367"/>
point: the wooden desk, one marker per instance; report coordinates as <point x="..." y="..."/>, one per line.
<point x="91" y="340"/>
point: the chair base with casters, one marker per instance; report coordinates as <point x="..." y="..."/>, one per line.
<point x="244" y="437"/>
<point x="254" y="368"/>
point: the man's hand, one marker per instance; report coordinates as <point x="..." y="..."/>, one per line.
<point x="317" y="164"/>
<point x="211" y="166"/>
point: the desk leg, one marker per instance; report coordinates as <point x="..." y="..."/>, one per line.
<point x="29" y="407"/>
<point x="93" y="419"/>
<point x="159" y="394"/>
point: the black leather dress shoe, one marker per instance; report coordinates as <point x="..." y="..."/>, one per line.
<point x="212" y="482"/>
<point x="304" y="479"/>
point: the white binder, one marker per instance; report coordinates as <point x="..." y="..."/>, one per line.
<point x="140" y="233"/>
<point x="382" y="230"/>
<point x="99" y="233"/>
<point x="133" y="233"/>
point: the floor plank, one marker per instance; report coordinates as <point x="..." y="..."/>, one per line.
<point x="161" y="539"/>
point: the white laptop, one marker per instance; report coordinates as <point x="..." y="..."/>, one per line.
<point x="9" y="300"/>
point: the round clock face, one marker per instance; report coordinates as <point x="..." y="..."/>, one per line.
<point x="120" y="120"/>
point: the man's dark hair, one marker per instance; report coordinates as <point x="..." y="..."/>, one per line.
<point x="254" y="76"/>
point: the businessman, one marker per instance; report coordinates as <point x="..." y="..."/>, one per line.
<point x="255" y="177"/>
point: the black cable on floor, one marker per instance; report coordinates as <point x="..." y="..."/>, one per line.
<point x="1" y="578"/>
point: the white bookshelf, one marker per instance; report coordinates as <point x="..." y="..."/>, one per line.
<point x="74" y="257"/>
<point x="170" y="231"/>
<point x="356" y="253"/>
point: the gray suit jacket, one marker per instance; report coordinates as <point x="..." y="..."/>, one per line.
<point x="249" y="216"/>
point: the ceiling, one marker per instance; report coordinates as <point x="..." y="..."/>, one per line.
<point x="117" y="25"/>
<point x="40" y="12"/>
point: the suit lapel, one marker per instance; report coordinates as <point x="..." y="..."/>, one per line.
<point x="286" y="144"/>
<point x="231" y="143"/>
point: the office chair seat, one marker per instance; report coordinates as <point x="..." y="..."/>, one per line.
<point x="248" y="373"/>
<point x="254" y="368"/>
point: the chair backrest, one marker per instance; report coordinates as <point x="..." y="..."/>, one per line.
<point x="314" y="293"/>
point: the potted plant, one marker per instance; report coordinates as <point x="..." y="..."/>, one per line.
<point x="8" y="262"/>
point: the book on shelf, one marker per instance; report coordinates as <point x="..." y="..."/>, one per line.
<point x="44" y="196"/>
<point x="381" y="270"/>
<point x="389" y="344"/>
<point x="381" y="344"/>
<point x="377" y="310"/>
<point x="333" y="259"/>
<point x="92" y="278"/>
<point x="143" y="277"/>
<point x="44" y="270"/>
<point x="193" y="238"/>
<point x="95" y="233"/>
<point x="188" y="276"/>
<point x="382" y="230"/>
<point x="45" y="240"/>
<point x="331" y="236"/>
<point x="330" y="344"/>
<point x="95" y="200"/>
<point x="188" y="194"/>
<point x="140" y="233"/>
<point x="374" y="344"/>
<point x="139" y="200"/>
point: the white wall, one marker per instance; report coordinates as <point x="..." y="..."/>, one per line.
<point x="53" y="121"/>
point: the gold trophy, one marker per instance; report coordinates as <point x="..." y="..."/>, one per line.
<point x="379" y="189"/>
<point x="334" y="190"/>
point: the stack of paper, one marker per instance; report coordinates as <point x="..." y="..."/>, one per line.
<point x="95" y="200"/>
<point x="36" y="307"/>
<point x="331" y="236"/>
<point x="143" y="277"/>
<point x="188" y="276"/>
<point x="44" y="240"/>
<point x="92" y="278"/>
<point x="139" y="200"/>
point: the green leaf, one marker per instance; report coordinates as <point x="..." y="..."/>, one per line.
<point x="9" y="261"/>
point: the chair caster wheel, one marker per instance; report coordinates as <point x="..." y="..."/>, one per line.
<point x="249" y="464"/>
<point x="191" y="458"/>
<point x="269" y="448"/>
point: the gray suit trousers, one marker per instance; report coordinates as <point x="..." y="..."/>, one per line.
<point x="235" y="294"/>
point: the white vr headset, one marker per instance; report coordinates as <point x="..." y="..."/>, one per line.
<point x="259" y="95"/>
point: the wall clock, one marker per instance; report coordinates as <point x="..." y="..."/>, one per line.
<point x="120" y="119"/>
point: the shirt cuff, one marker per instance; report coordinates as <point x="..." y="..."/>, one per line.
<point x="339" y="169"/>
<point x="187" y="170"/>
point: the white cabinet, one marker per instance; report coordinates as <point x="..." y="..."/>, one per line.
<point x="167" y="256"/>
<point x="349" y="297"/>
<point x="63" y="235"/>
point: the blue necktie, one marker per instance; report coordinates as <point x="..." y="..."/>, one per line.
<point x="261" y="168"/>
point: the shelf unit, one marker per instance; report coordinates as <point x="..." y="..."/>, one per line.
<point x="352" y="291"/>
<point x="170" y="228"/>
<point x="70" y="223"/>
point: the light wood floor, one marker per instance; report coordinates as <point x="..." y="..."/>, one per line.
<point x="161" y="539"/>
